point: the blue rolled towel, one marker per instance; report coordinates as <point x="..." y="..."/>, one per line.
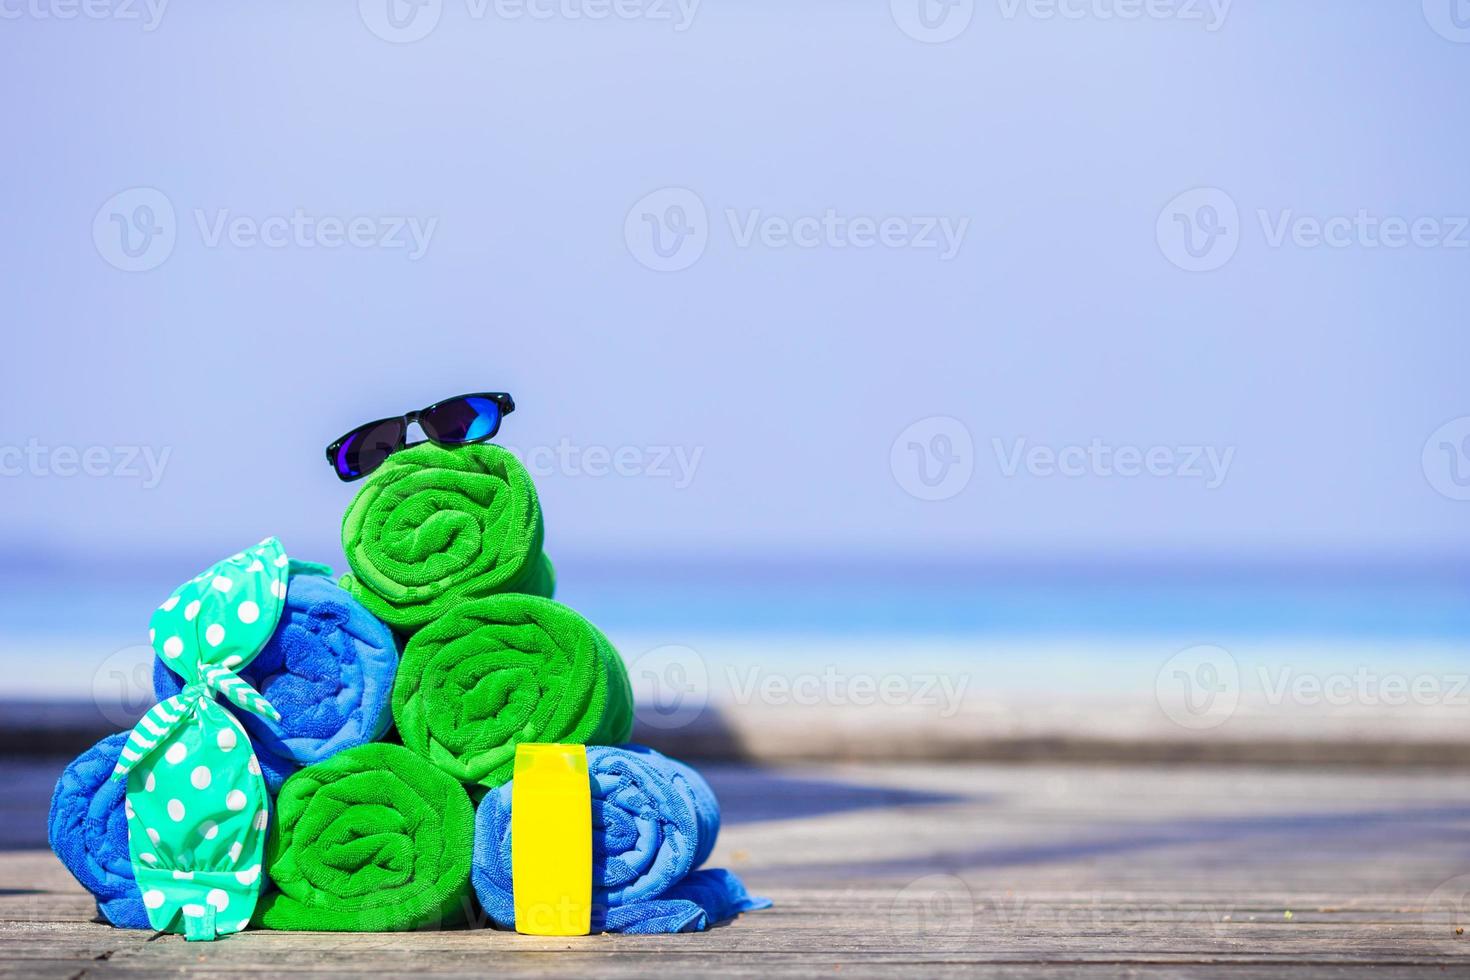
<point x="328" y="669"/>
<point x="654" y="821"/>
<point x="88" y="830"/>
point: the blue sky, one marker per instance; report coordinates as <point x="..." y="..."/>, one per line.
<point x="881" y="241"/>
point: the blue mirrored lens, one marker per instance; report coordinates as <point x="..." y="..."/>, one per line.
<point x="462" y="420"/>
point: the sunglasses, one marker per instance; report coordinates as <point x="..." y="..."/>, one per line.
<point x="456" y="421"/>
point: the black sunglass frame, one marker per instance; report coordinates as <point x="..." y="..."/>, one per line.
<point x="502" y="399"/>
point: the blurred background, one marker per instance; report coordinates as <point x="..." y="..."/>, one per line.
<point x="960" y="378"/>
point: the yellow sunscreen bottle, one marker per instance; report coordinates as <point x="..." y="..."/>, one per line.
<point x="551" y="840"/>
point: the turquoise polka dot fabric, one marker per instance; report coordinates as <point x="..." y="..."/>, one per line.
<point x="196" y="804"/>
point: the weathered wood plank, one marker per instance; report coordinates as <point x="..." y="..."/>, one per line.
<point x="933" y="870"/>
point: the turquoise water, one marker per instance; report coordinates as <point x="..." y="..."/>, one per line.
<point x="831" y="599"/>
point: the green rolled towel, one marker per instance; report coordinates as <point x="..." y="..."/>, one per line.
<point x="493" y="673"/>
<point x="373" y="839"/>
<point x="433" y="527"/>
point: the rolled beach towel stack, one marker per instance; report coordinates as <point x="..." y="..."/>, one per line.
<point x="434" y="527"/>
<point x="299" y="774"/>
<point x="372" y="840"/>
<point x="88" y="830"/>
<point x="328" y="669"/>
<point x="654" y="822"/>
<point x="492" y="673"/>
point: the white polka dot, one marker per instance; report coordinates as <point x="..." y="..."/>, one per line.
<point x="191" y="610"/>
<point x="173" y="646"/>
<point x="219" y="898"/>
<point x="209" y="830"/>
<point x="226" y="739"/>
<point x="254" y="766"/>
<point x="235" y="800"/>
<point x="149" y="783"/>
<point x="255" y="566"/>
<point x="281" y="561"/>
<point x="200" y="777"/>
<point x="128" y="807"/>
<point x="248" y="612"/>
<point x="278" y="589"/>
<point x="183" y="876"/>
<point x="193" y="911"/>
<point x="153" y="898"/>
<point x="151" y="635"/>
<point x="235" y="850"/>
<point x="153" y="835"/>
<point x="221" y="583"/>
<point x="147" y="858"/>
<point x="169" y="603"/>
<point x="248" y="876"/>
<point x="233" y="661"/>
<point x="176" y="809"/>
<point x="176" y="753"/>
<point x="215" y="634"/>
<point x="262" y="819"/>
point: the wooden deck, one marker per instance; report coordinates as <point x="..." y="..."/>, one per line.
<point x="1012" y="871"/>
